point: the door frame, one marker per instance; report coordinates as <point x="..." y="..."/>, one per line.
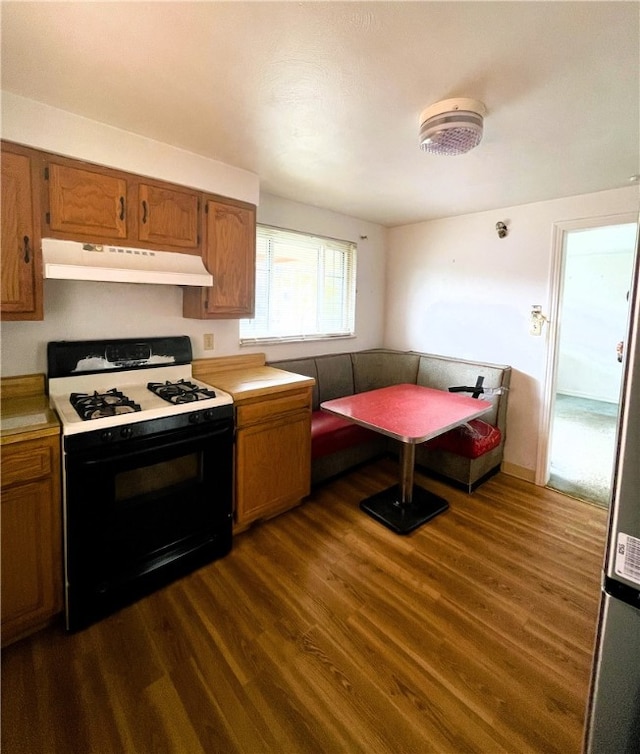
<point x="556" y="289"/>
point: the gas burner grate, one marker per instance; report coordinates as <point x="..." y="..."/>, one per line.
<point x="100" y="405"/>
<point x="180" y="392"/>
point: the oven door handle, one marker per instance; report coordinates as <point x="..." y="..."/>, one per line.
<point x="166" y="445"/>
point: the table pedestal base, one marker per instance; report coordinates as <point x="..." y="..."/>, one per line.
<point x="403" y="518"/>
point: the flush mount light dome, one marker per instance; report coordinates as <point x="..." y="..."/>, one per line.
<point x="453" y="126"/>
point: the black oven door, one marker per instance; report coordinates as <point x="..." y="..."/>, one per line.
<point x="141" y="513"/>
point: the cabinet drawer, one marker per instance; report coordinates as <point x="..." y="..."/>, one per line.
<point x="273" y="407"/>
<point x="24" y="461"/>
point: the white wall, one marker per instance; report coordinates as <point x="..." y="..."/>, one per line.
<point x="75" y="310"/>
<point x="34" y="124"/>
<point x="455" y="288"/>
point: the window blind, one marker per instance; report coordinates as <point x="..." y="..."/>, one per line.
<point x="305" y="287"/>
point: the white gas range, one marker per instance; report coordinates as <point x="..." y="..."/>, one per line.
<point x="147" y="469"/>
<point x="106" y="386"/>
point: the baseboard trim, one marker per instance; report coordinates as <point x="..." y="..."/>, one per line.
<point x="520" y="472"/>
<point x="586" y="396"/>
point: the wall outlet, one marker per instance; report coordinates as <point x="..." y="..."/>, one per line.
<point x="208" y="341"/>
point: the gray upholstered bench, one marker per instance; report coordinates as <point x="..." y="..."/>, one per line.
<point x="466" y="456"/>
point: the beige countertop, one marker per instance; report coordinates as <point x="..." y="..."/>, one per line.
<point x="256" y="382"/>
<point x="27" y="418"/>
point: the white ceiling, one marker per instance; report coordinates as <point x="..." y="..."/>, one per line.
<point x="322" y="99"/>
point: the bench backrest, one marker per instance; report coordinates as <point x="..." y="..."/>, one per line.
<point x="342" y="374"/>
<point x="442" y="372"/>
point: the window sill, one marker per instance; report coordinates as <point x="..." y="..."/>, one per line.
<point x="251" y="342"/>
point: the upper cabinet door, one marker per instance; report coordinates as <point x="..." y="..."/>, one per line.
<point x="169" y="217"/>
<point x="86" y="203"/>
<point x="21" y="275"/>
<point x="230" y="256"/>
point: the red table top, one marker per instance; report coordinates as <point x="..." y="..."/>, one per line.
<point x="409" y="413"/>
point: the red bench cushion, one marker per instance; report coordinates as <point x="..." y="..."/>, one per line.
<point x="330" y="433"/>
<point x="470" y="441"/>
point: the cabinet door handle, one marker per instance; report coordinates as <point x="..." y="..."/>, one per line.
<point x="122" y="207"/>
<point x="27" y="249"/>
<point x="144" y="212"/>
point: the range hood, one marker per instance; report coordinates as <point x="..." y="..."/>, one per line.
<point x="72" y="260"/>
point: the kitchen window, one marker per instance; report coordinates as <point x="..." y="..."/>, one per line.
<point x="305" y="288"/>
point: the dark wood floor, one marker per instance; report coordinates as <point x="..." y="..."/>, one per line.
<point x="324" y="632"/>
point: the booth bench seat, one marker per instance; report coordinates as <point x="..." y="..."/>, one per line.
<point x="465" y="456"/>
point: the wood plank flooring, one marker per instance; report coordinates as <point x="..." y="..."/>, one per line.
<point x="324" y="632"/>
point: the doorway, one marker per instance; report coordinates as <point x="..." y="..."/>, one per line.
<point x="594" y="266"/>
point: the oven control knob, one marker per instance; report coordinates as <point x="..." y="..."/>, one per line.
<point x="194" y="418"/>
<point x="126" y="432"/>
<point x="208" y="414"/>
<point x="106" y="435"/>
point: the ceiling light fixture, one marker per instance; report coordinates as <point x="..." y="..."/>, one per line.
<point x="453" y="126"/>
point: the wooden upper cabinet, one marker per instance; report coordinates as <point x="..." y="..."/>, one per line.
<point x="21" y="264"/>
<point x="47" y="195"/>
<point x="86" y="203"/>
<point x="168" y="216"/>
<point x="230" y="256"/>
<point x="91" y="203"/>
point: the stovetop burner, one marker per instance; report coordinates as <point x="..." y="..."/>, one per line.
<point x="99" y="405"/>
<point x="181" y="391"/>
<point x="107" y="383"/>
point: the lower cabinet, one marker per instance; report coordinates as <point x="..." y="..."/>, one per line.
<point x="273" y="454"/>
<point x="31" y="536"/>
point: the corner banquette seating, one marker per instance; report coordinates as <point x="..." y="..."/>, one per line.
<point x="465" y="456"/>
